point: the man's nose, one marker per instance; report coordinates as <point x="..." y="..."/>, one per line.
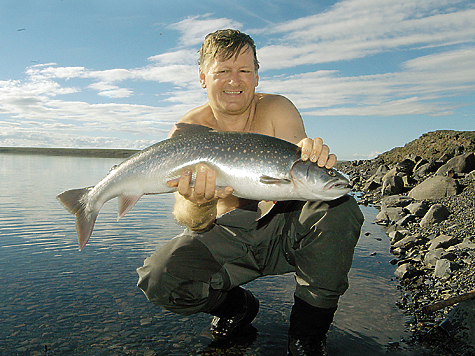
<point x="235" y="79"/>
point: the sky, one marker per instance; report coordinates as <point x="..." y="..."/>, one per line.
<point x="366" y="75"/>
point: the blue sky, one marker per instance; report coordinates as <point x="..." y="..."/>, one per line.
<point x="366" y="75"/>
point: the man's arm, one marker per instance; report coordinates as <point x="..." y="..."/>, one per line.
<point x="288" y="125"/>
<point x="196" y="207"/>
<point x="195" y="217"/>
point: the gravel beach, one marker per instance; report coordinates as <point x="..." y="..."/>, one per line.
<point x="429" y="217"/>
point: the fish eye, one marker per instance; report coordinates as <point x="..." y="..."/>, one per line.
<point x="331" y="173"/>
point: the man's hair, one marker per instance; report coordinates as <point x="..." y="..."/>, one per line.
<point x="224" y="44"/>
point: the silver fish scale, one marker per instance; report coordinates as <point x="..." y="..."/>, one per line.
<point x="224" y="150"/>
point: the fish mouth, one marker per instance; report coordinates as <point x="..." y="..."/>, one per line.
<point x="336" y="184"/>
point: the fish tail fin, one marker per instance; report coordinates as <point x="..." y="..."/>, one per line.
<point x="75" y="201"/>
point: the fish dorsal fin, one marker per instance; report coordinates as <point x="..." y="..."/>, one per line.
<point x="127" y="202"/>
<point x="272" y="180"/>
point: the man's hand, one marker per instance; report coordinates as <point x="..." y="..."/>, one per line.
<point x="204" y="189"/>
<point x="316" y="151"/>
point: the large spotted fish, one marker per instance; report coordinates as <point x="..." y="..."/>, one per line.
<point x="257" y="167"/>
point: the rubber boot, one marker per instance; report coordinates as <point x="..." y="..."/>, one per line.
<point x="237" y="311"/>
<point x="308" y="329"/>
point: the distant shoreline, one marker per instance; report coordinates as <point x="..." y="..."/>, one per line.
<point x="76" y="152"/>
<point x="79" y="152"/>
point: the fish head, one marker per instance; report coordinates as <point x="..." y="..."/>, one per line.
<point x="318" y="183"/>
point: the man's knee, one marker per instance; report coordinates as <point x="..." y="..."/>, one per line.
<point x="324" y="249"/>
<point x="177" y="277"/>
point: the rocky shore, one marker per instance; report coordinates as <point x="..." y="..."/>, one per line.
<point x="425" y="192"/>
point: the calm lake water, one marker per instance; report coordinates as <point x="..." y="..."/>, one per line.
<point x="55" y="300"/>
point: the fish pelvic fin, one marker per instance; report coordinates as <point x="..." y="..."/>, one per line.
<point x="127" y="202"/>
<point x="75" y="201"/>
<point x="272" y="180"/>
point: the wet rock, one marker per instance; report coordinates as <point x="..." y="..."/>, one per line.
<point x="418" y="209"/>
<point x="434" y="188"/>
<point x="419" y="164"/>
<point x="436" y="214"/>
<point x="405" y="270"/>
<point x="376" y="180"/>
<point x="444" y="268"/>
<point x="408" y="242"/>
<point x="409" y="182"/>
<point x="392" y="184"/>
<point x="405" y="220"/>
<point x="395" y="201"/>
<point x="382" y="218"/>
<point x="460" y="325"/>
<point x="371" y="185"/>
<point x="465" y="245"/>
<point x="145" y="321"/>
<point x="397" y="235"/>
<point x="406" y="166"/>
<point x="421" y="171"/>
<point x="395" y="214"/>
<point x="459" y="164"/>
<point x="443" y="241"/>
<point x="431" y="257"/>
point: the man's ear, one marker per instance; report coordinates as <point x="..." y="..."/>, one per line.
<point x="202" y="77"/>
<point x="257" y="78"/>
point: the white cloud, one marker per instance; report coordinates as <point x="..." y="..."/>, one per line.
<point x="195" y="28"/>
<point x="52" y="71"/>
<point x="182" y="56"/>
<point x="358" y="28"/>
<point x="418" y="89"/>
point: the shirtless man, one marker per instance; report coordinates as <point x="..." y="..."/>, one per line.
<point x="224" y="246"/>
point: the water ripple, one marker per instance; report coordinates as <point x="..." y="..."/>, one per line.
<point x="87" y="302"/>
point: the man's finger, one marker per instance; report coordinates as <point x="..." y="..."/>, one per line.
<point x="210" y="186"/>
<point x="173" y="183"/>
<point x="224" y="193"/>
<point x="306" y="146"/>
<point x="184" y="183"/>
<point x="317" y="147"/>
<point x="331" y="161"/>
<point x="323" y="156"/>
<point x="200" y="181"/>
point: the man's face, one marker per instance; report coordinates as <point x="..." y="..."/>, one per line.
<point x="231" y="84"/>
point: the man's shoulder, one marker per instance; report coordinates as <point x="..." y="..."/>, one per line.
<point x="272" y="103"/>
<point x="197" y="116"/>
<point x="194" y="118"/>
<point x="266" y="99"/>
<point x="273" y="106"/>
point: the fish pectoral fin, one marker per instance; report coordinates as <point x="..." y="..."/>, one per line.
<point x="272" y="180"/>
<point x="173" y="183"/>
<point x="127" y="202"/>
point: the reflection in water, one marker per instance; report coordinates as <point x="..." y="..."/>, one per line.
<point x="56" y="300"/>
